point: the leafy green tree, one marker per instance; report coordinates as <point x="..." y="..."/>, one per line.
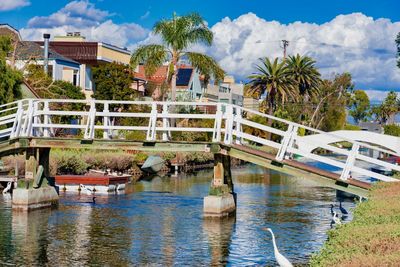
<point x="45" y="87"/>
<point x="178" y="35"/>
<point x="113" y="82"/>
<point x="359" y="106"/>
<point x="329" y="106"/>
<point x="304" y="73"/>
<point x="10" y="79"/>
<point x="385" y="112"/>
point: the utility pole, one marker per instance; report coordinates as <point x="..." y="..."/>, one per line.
<point x="285" y="45"/>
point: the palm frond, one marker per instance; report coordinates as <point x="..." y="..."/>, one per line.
<point x="206" y="65"/>
<point x="152" y="56"/>
<point x="182" y="31"/>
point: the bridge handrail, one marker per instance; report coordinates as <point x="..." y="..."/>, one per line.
<point x="394" y="153"/>
<point x="32" y="117"/>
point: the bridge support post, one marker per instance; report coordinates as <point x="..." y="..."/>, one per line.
<point x="221" y="201"/>
<point x="34" y="192"/>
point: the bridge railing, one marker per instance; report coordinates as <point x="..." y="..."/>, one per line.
<point x="164" y="121"/>
<point x="349" y="161"/>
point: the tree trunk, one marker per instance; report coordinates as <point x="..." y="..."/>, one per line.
<point x="269" y="121"/>
<point x="173" y="86"/>
<point x="173" y="96"/>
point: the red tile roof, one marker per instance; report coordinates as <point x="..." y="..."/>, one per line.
<point x="158" y="77"/>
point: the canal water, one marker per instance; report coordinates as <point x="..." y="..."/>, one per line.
<point x="159" y="222"/>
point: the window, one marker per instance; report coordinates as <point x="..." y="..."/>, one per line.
<point x="75" y="80"/>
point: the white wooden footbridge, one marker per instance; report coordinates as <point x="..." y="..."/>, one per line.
<point x="96" y="124"/>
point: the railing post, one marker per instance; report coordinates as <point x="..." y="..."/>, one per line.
<point x="238" y="128"/>
<point x="89" y="131"/>
<point x="165" y="135"/>
<point x="151" y="131"/>
<point x="287" y="141"/>
<point x="35" y="118"/>
<point x="15" y="131"/>
<point x="30" y="116"/>
<point x="106" y="121"/>
<point x="217" y="124"/>
<point x="228" y="124"/>
<point x="351" y="158"/>
<point x="27" y="126"/>
<point x="46" y="119"/>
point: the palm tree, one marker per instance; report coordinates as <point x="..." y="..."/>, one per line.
<point x="178" y="34"/>
<point x="273" y="79"/>
<point x="303" y="71"/>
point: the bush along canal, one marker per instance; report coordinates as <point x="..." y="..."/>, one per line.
<point x="372" y="238"/>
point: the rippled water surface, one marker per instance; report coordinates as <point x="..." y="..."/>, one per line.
<point x="159" y="223"/>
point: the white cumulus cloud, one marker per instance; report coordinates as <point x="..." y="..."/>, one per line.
<point x="13" y="4"/>
<point x="93" y="23"/>
<point x="352" y="43"/>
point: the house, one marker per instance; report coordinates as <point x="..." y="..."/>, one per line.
<point x="153" y="84"/>
<point x="59" y="67"/>
<point x="226" y="91"/>
<point x="88" y="55"/>
<point x="188" y="84"/>
<point x="10" y="31"/>
<point x="371" y="127"/>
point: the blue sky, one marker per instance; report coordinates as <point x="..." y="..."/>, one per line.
<point x="316" y="11"/>
<point x="355" y="36"/>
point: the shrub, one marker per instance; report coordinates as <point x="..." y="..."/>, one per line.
<point x="69" y="162"/>
<point x="351" y="127"/>
<point x="392" y="129"/>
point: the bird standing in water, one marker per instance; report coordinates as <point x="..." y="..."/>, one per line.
<point x="282" y="261"/>
<point x="342" y="210"/>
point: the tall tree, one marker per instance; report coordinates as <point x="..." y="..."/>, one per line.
<point x="178" y="35"/>
<point x="113" y="82"/>
<point x="329" y="106"/>
<point x="359" y="106"/>
<point x="272" y="79"/>
<point x="385" y="112"/>
<point x="304" y="73"/>
<point x="10" y="79"/>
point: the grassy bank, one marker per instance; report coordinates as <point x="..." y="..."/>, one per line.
<point x="372" y="238"/>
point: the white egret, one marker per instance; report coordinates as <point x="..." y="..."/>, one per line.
<point x="282" y="261"/>
<point x="335" y="218"/>
<point x="86" y="189"/>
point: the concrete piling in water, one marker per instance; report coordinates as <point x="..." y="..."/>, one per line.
<point x="34" y="192"/>
<point x="221" y="201"/>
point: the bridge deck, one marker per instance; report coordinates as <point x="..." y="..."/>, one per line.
<point x="298" y="169"/>
<point x="242" y="152"/>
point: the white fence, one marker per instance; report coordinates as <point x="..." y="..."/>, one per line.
<point x="230" y="124"/>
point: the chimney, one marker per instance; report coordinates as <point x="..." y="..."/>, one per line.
<point x="46" y="37"/>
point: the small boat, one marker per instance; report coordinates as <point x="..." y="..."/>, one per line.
<point x="152" y="164"/>
<point x="93" y="182"/>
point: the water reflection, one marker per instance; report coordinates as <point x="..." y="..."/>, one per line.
<point x="160" y="222"/>
<point x="219" y="233"/>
